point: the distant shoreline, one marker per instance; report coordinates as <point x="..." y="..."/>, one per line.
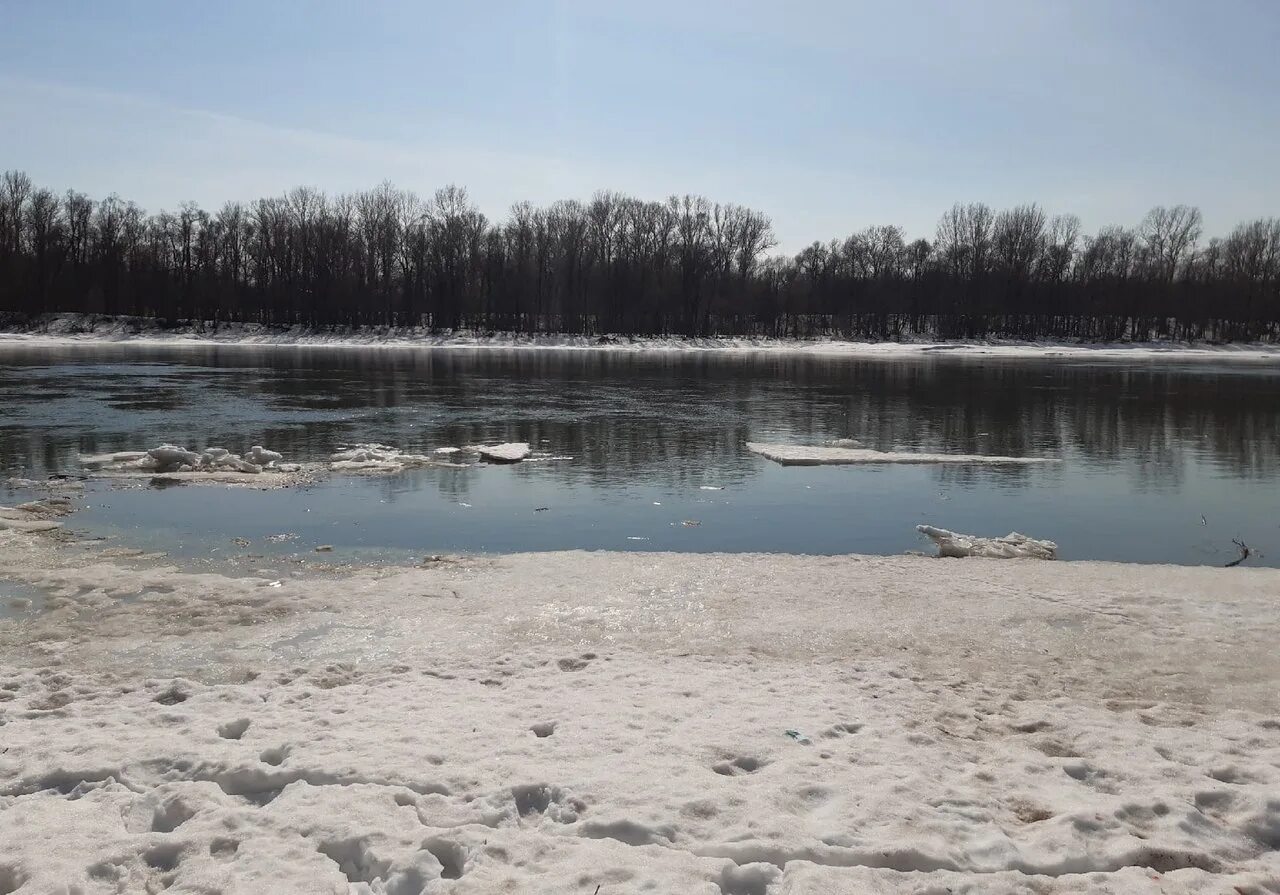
<point x="79" y="330"/>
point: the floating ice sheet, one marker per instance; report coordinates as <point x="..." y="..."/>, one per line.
<point x="807" y="455"/>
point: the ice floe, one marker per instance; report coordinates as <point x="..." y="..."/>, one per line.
<point x="16" y="520"/>
<point x="36" y="515"/>
<point x="372" y="457"/>
<point x="114" y="459"/>
<point x="50" y="485"/>
<point x="1011" y="546"/>
<point x="511" y="452"/>
<point x="260" y="456"/>
<point x="170" y="458"/>
<point x="834" y="455"/>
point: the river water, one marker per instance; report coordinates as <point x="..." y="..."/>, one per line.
<point x="1162" y="461"/>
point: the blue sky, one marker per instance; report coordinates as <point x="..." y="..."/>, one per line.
<point x="829" y="116"/>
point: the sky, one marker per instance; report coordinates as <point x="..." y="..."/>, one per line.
<point x="828" y="116"/>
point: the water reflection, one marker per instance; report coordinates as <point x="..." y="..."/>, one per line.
<point x="1149" y="447"/>
<point x="626" y="417"/>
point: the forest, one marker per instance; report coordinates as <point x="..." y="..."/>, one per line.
<point x="620" y="265"/>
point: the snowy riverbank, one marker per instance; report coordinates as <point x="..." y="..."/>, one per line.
<point x="71" y="329"/>
<point x="574" y="722"/>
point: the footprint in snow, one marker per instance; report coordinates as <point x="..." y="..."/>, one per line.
<point x="735" y="767"/>
<point x="576" y="663"/>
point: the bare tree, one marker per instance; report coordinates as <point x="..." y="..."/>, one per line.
<point x="620" y="263"/>
<point x="964" y="240"/>
<point x="1169" y="235"/>
<point x="1018" y="240"/>
<point x="15" y="189"/>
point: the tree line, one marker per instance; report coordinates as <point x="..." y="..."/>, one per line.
<point x="616" y="264"/>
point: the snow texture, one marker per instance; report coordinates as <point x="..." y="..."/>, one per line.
<point x="562" y="722"/>
<point x="1011" y="546"/>
<point x="835" y="455"/>
<point x="78" y="329"/>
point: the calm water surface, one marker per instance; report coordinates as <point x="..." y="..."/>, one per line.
<point x="1149" y="448"/>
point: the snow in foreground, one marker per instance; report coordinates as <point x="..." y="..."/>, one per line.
<point x="574" y="722"/>
<point x="835" y="455"/>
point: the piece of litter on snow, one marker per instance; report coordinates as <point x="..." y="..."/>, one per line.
<point x="691" y="523"/>
<point x="541" y="509"/>
<point x="274" y="583"/>
<point x="798" y="737"/>
<point x="461" y="504"/>
<point x="657" y="504"/>
<point x="710" y="488"/>
<point x="324" y="548"/>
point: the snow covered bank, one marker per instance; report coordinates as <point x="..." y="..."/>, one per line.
<point x="827" y="455"/>
<point x="71" y="329"/>
<point x="552" y="723"/>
